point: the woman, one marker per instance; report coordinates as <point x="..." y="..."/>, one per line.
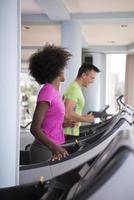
<point x="47" y="68"/>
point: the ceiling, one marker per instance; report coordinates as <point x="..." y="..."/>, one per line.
<point x="106" y="25"/>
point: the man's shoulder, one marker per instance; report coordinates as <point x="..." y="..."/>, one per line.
<point x="72" y="91"/>
<point x="72" y="85"/>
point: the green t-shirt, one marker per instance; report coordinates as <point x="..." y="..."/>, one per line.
<point x="74" y="92"/>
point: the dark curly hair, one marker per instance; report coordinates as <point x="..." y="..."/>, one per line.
<point x="45" y="65"/>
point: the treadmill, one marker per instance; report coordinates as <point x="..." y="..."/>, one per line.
<point x="88" y="150"/>
<point x="73" y="145"/>
<point x="92" y="133"/>
<point x="32" y="191"/>
<point x="59" y="188"/>
<point x="88" y="129"/>
<point x="109" y="176"/>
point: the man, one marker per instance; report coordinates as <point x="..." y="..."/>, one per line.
<point x="74" y="100"/>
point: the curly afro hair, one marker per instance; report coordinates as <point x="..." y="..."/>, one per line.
<point x="46" y="64"/>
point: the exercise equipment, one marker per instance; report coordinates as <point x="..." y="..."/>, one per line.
<point x="111" y="175"/>
<point x="87" y="150"/>
<point x="32" y="191"/>
<point x="102" y="114"/>
<point x="93" y="165"/>
<point x="108" y="176"/>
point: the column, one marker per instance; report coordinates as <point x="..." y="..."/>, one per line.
<point x="95" y="93"/>
<point x="9" y="91"/>
<point x="71" y="39"/>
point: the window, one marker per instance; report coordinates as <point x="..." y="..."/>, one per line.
<point x="29" y="90"/>
<point x="115" y="79"/>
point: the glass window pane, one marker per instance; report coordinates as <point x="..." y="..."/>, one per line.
<point x="115" y="79"/>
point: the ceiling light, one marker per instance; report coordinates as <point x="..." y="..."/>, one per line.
<point x="111" y="41"/>
<point x="26" y="27"/>
<point x="123" y="25"/>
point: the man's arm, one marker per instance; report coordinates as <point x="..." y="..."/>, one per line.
<point x="71" y="114"/>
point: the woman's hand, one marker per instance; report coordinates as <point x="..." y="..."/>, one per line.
<point x="58" y="152"/>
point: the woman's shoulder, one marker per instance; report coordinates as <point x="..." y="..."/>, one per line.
<point x="46" y="93"/>
<point x="46" y="87"/>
